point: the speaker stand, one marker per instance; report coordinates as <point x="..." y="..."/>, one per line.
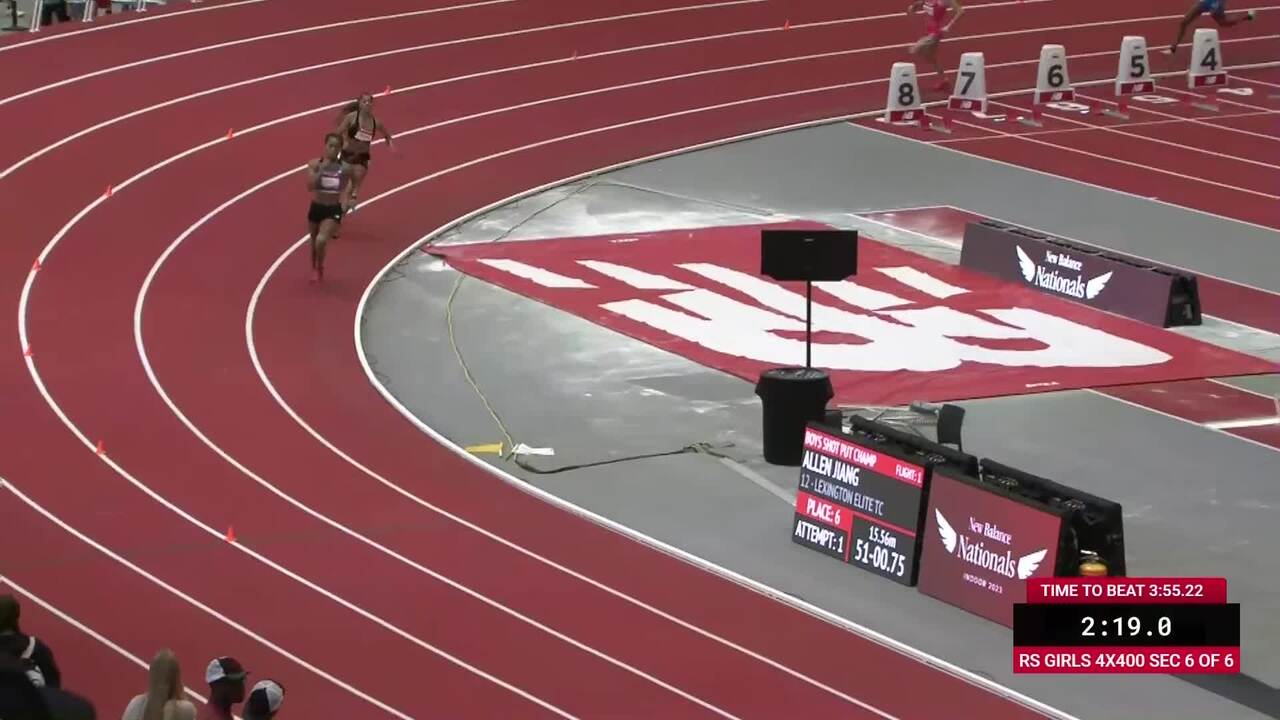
<point x="808" y="323"/>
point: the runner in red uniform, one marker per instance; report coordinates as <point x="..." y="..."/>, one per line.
<point x="936" y="26"/>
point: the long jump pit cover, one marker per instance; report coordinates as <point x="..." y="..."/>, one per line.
<point x="905" y="328"/>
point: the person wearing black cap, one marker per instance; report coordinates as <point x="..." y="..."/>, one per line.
<point x="264" y="700"/>
<point x="225" y="676"/>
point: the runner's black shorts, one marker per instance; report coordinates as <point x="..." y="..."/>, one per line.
<point x="320" y="212"/>
<point x="355" y="158"/>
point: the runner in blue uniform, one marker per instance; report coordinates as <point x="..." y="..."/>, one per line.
<point x="1217" y="9"/>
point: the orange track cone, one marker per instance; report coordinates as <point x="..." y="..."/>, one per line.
<point x="787" y="25"/>
<point x="101" y="448"/>
<point x="230" y="133"/>
<point x="35" y="266"/>
<point x="387" y="90"/>
<point x="108" y="192"/>
<point x="231" y="534"/>
<point x="27" y="352"/>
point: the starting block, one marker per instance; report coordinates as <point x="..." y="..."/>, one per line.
<point x="904" y="103"/>
<point x="1053" y="83"/>
<point x="1204" y="71"/>
<point x="1133" y="77"/>
<point x="971" y="84"/>
<point x="1206" y="59"/>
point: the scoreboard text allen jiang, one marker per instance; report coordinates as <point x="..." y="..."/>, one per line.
<point x="859" y="505"/>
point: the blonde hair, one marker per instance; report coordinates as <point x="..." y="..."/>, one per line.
<point x="164" y="683"/>
<point x="179" y="710"/>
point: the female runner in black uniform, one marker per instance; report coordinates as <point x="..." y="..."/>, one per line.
<point x="359" y="127"/>
<point x="330" y="187"/>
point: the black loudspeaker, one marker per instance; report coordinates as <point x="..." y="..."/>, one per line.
<point x="809" y="255"/>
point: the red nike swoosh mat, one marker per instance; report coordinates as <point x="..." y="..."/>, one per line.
<point x="905" y="328"/>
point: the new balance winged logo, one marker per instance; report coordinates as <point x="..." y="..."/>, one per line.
<point x="1027" y="264"/>
<point x="976" y="553"/>
<point x="1095" y="286"/>
<point x="1052" y="277"/>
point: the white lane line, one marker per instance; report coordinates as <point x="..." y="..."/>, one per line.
<point x="774" y="593"/>
<point x="1250" y="391"/>
<point x="1004" y="134"/>
<point x="403" y="134"/>
<point x="997" y="133"/>
<point x="235" y="43"/>
<point x="1122" y="131"/>
<point x="24" y="299"/>
<point x="785" y="94"/>
<point x="1238" y="424"/>
<point x="68" y="619"/>
<point x="477" y="38"/>
<point x="121" y="23"/>
<point x="720" y="571"/>
<point x="1205" y="120"/>
<point x="1102" y="392"/>
<point x="759" y="480"/>
<point x="139" y="305"/>
<point x="757" y="586"/>
<point x="1127" y="126"/>
<point x="8" y="485"/>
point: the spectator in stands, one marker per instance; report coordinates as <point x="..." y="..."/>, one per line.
<point x="164" y="689"/>
<point x="264" y="700"/>
<point x="21" y="699"/>
<point x="32" y="652"/>
<point x="225" y="676"/>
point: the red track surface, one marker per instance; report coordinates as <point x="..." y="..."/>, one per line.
<point x="335" y="585"/>
<point x="1222" y="162"/>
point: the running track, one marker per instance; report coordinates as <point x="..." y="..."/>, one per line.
<point x="376" y="572"/>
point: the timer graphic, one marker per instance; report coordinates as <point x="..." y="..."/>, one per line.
<point x="1073" y="625"/>
<point x="1108" y="625"/>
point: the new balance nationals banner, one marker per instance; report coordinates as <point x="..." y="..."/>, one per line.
<point x="906" y="322"/>
<point x="979" y="548"/>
